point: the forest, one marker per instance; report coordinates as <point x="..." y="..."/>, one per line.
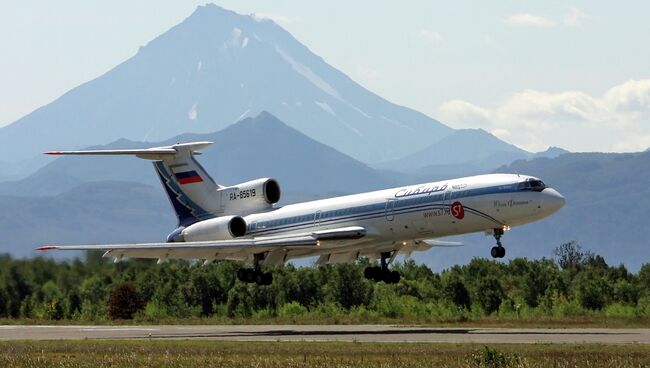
<point x="571" y="284"/>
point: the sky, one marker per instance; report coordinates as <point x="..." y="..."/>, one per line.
<point x="573" y="74"/>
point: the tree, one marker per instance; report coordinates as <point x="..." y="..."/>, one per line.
<point x="489" y="294"/>
<point x="455" y="291"/>
<point x="240" y="302"/>
<point x="644" y="279"/>
<point x="125" y="301"/>
<point x="4" y="303"/>
<point x="591" y="289"/>
<point x="349" y="286"/>
<point x="570" y="255"/>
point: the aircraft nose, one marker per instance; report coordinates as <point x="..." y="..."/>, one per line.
<point x="552" y="200"/>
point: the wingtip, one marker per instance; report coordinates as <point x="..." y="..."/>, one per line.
<point x="52" y="153"/>
<point x="47" y="247"/>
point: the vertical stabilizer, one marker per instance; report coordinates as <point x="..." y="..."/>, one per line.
<point x="192" y="192"/>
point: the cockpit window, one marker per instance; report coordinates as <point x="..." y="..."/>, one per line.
<point x="533" y="185"/>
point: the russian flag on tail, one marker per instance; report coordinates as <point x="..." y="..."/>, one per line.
<point x="188" y="177"/>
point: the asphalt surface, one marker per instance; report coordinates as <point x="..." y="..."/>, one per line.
<point x="360" y="333"/>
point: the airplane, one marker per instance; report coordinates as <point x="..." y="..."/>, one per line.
<point x="242" y="222"/>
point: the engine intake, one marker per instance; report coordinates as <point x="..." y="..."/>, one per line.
<point x="272" y="191"/>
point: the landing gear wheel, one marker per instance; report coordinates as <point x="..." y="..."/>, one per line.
<point x="498" y="252"/>
<point x="370" y="273"/>
<point x="392" y="277"/>
<point x="267" y="279"/>
<point x="381" y="274"/>
<point x="259" y="278"/>
<point x="250" y="275"/>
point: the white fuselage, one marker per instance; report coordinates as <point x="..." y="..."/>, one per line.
<point x="397" y="219"/>
<point x="239" y="222"/>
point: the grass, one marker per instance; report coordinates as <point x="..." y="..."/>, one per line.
<point x="490" y="321"/>
<point x="194" y="353"/>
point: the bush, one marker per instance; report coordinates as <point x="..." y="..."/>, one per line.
<point x="153" y="311"/>
<point x="618" y="310"/>
<point x="125" y="302"/>
<point x="643" y="307"/>
<point x="568" y="308"/>
<point x="386" y="303"/>
<point x="330" y="310"/>
<point x="491" y="358"/>
<point x="53" y="310"/>
<point x="263" y="314"/>
<point x="292" y="310"/>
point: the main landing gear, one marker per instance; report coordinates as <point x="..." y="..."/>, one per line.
<point x="382" y="273"/>
<point x="498" y="251"/>
<point x="255" y="274"/>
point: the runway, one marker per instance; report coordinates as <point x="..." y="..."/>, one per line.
<point x="359" y="333"/>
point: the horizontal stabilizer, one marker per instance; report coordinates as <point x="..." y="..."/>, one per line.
<point x="154" y="153"/>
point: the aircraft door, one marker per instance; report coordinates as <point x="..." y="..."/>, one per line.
<point x="446" y="201"/>
<point x="317" y="218"/>
<point x="390" y="209"/>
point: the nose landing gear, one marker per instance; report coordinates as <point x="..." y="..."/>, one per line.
<point x="498" y="251"/>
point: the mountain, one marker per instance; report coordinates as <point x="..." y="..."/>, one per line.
<point x="105" y="212"/>
<point x="551" y="152"/>
<point x="464" y="152"/>
<point x="252" y="148"/>
<point x="211" y="70"/>
<point x="607" y="196"/>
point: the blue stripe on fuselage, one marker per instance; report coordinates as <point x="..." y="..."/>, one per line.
<point x="365" y="212"/>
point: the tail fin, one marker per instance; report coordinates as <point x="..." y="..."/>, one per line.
<point x="191" y="191"/>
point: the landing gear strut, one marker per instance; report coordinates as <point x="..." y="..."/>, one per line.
<point x="255" y="274"/>
<point x="498" y="251"/>
<point x="382" y="273"/>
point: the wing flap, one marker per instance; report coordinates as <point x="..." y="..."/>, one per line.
<point x="442" y="243"/>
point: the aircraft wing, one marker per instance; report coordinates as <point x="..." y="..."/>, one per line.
<point x="219" y="249"/>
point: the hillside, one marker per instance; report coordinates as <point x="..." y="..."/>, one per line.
<point x="107" y="212"/>
<point x="464" y="152"/>
<point x="262" y="146"/>
<point x="208" y="72"/>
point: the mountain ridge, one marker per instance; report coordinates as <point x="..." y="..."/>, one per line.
<point x="205" y="74"/>
<point x="262" y="146"/>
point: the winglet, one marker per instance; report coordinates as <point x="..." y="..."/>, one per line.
<point x="47" y="247"/>
<point x="52" y="153"/>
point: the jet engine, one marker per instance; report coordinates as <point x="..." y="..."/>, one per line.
<point x="219" y="228"/>
<point x="251" y="196"/>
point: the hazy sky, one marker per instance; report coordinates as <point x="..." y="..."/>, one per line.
<point x="571" y="74"/>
